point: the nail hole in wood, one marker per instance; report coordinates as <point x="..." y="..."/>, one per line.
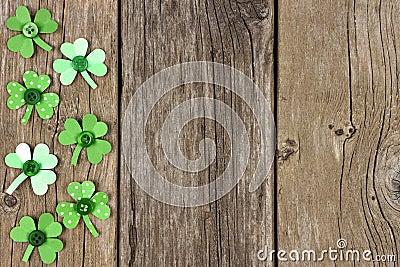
<point x="339" y="132"/>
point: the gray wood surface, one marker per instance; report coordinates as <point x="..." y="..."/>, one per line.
<point x="337" y="103"/>
<point x="156" y="35"/>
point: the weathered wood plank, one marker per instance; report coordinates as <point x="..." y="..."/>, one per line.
<point x="337" y="99"/>
<point x="91" y="20"/>
<point x="156" y="35"/>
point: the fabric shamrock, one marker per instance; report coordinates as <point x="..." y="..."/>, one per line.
<point x="88" y="202"/>
<point x="32" y="95"/>
<point x="44" y="237"/>
<point x="78" y="62"/>
<point x="86" y="138"/>
<point x="23" y="42"/>
<point x="36" y="167"/>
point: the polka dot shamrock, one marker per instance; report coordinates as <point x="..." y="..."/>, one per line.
<point x="44" y="237"/>
<point x="88" y="202"/>
<point x="32" y="95"/>
<point x="36" y="167"/>
<point x="23" y="42"/>
<point x="78" y="62"/>
<point x="86" y="137"/>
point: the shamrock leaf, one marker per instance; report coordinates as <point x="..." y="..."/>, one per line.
<point x="44" y="237"/>
<point x="36" y="167"/>
<point x="68" y="211"/>
<point x="87" y="137"/>
<point x="44" y="22"/>
<point x="21" y="233"/>
<point x="23" y="42"/>
<point x="32" y="95"/>
<point x="87" y="202"/>
<point x="101" y="210"/>
<point x="76" y="52"/>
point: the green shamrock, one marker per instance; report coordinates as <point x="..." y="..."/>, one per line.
<point x="44" y="237"/>
<point x="32" y="95"/>
<point x="88" y="202"/>
<point x="86" y="138"/>
<point x="76" y="52"/>
<point x="23" y="42"/>
<point x="36" y="167"/>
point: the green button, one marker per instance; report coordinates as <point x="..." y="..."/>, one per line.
<point x="31" y="168"/>
<point x="30" y="30"/>
<point x="84" y="206"/>
<point x="36" y="238"/>
<point x="79" y="63"/>
<point x="32" y="96"/>
<point x="86" y="139"/>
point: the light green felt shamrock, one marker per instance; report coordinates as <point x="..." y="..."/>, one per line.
<point x="37" y="167"/>
<point x="32" y="95"/>
<point x="23" y="42"/>
<point x="78" y="62"/>
<point x="44" y="237"/>
<point x="88" y="202"/>
<point x="86" y="138"/>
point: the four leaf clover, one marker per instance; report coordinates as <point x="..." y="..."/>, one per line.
<point x="87" y="203"/>
<point x="32" y="95"/>
<point x="86" y="138"/>
<point x="37" y="167"/>
<point x="44" y="237"/>
<point x="23" y="42"/>
<point x="76" y="52"/>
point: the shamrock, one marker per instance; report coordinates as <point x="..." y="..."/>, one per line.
<point x="44" y="237"/>
<point x="37" y="168"/>
<point x="30" y="30"/>
<point x="87" y="203"/>
<point x="79" y="63"/>
<point x="32" y="95"/>
<point x="86" y="138"/>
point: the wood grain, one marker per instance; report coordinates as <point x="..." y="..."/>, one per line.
<point x="156" y="35"/>
<point x="88" y="19"/>
<point x="337" y="102"/>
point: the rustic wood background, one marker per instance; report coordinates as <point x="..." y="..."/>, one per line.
<point x="330" y="69"/>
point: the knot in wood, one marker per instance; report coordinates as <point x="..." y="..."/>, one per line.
<point x="10" y="200"/>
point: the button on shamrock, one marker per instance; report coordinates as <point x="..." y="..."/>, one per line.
<point x="88" y="202"/>
<point x="86" y="138"/>
<point x="23" y="43"/>
<point x="76" y="52"/>
<point x="37" y="168"/>
<point x="32" y="95"/>
<point x="44" y="237"/>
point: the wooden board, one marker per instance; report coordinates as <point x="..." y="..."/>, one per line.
<point x="157" y="35"/>
<point x="337" y="104"/>
<point x="88" y="19"/>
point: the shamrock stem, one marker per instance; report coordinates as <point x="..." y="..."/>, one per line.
<point x="28" y="253"/>
<point x="75" y="155"/>
<point x="90" y="226"/>
<point x="16" y="183"/>
<point x="89" y="80"/>
<point x="27" y="115"/>
<point x="42" y="43"/>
